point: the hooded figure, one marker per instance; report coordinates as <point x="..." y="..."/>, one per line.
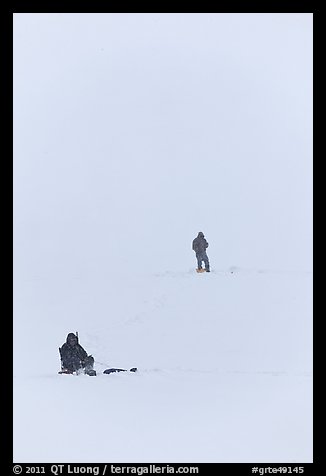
<point x="199" y="246"/>
<point x="74" y="357"/>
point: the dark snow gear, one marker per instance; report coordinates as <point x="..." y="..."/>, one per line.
<point x="199" y="246"/>
<point x="74" y="357"/>
<point x="111" y="371"/>
<point x="91" y="372"/>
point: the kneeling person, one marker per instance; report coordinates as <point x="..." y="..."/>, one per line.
<point x="74" y="358"/>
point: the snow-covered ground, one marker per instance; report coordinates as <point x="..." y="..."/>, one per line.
<point x="132" y="133"/>
<point x="224" y="359"/>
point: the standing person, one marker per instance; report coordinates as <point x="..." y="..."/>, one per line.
<point x="199" y="246"/>
<point x="74" y="357"/>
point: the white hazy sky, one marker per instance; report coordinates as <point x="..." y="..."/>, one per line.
<point x="132" y="132"/>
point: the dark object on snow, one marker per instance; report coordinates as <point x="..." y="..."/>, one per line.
<point x="91" y="372"/>
<point x="74" y="358"/>
<point x="199" y="246"/>
<point x="111" y="371"/>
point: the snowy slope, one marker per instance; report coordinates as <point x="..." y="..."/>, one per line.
<point x="132" y="133"/>
<point x="224" y="369"/>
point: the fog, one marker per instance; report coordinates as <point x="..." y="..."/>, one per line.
<point x="132" y="132"/>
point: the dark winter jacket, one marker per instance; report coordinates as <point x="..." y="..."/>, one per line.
<point x="199" y="244"/>
<point x="72" y="353"/>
